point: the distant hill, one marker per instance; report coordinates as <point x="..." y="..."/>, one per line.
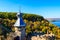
<point x="53" y="19"/>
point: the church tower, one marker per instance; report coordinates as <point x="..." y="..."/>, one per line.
<point x="20" y="27"/>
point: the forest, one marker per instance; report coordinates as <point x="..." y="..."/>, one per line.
<point x="34" y="23"/>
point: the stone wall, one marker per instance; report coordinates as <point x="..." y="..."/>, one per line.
<point x="43" y="37"/>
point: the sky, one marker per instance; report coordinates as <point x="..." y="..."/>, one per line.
<point x="46" y="8"/>
<point x="9" y="5"/>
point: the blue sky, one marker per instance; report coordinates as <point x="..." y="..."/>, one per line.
<point x="46" y="8"/>
<point x="9" y="5"/>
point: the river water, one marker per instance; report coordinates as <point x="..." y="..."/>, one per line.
<point x="57" y="23"/>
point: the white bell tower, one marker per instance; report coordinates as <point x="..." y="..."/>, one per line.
<point x="20" y="27"/>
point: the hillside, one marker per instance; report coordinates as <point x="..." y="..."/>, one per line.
<point x="34" y="23"/>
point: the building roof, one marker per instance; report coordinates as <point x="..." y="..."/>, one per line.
<point x="20" y="22"/>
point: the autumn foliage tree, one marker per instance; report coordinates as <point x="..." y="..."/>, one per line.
<point x="34" y="23"/>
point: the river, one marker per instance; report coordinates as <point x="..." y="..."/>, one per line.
<point x="57" y="23"/>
